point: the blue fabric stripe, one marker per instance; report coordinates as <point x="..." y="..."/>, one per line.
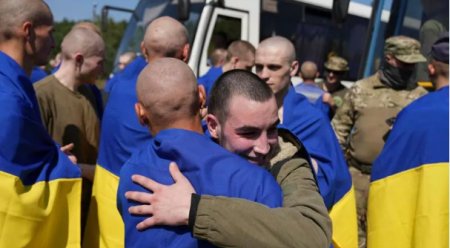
<point x="121" y="132"/>
<point x="315" y="132"/>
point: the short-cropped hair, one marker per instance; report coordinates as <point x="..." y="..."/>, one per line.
<point x="236" y="83"/>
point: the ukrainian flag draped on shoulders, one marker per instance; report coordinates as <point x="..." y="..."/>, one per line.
<point x="408" y="197"/>
<point x="40" y="188"/>
<point x="210" y="168"/>
<point x="314" y="130"/>
<point x="121" y="134"/>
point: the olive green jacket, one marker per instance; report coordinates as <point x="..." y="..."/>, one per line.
<point x="303" y="220"/>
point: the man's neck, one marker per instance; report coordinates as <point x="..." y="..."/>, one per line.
<point x="280" y="100"/>
<point x="309" y="82"/>
<point x="441" y="82"/>
<point x="192" y="124"/>
<point x="227" y="67"/>
<point x="66" y="76"/>
<point x="280" y="96"/>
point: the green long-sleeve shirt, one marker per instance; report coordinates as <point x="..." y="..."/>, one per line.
<point x="303" y="220"/>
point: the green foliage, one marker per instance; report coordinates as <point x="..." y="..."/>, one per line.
<point x="112" y="37"/>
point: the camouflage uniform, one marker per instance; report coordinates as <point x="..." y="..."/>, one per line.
<point x="366" y="116"/>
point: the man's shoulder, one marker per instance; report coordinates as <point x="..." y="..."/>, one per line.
<point x="367" y="83"/>
<point x="46" y="84"/>
<point x="434" y="105"/>
<point x="418" y="91"/>
<point x="290" y="148"/>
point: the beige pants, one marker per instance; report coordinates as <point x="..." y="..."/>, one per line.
<point x="361" y="184"/>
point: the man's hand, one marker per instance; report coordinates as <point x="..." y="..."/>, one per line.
<point x="168" y="205"/>
<point x="328" y="99"/>
<point x="67" y="150"/>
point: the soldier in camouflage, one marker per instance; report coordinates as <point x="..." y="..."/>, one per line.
<point x="335" y="69"/>
<point x="368" y="111"/>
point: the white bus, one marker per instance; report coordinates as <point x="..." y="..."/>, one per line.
<point x="309" y="24"/>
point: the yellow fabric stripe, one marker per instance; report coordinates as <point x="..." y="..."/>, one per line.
<point x="425" y="84"/>
<point x="45" y="214"/>
<point x="104" y="227"/>
<point x="410" y="209"/>
<point x="343" y="217"/>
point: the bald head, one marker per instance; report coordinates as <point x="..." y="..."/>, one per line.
<point x="308" y="71"/>
<point x="242" y="49"/>
<point x="281" y="45"/>
<point x="167" y="89"/>
<point x="14" y="14"/>
<point x="165" y="37"/>
<point x="218" y="57"/>
<point x="84" y="41"/>
<point x="87" y="25"/>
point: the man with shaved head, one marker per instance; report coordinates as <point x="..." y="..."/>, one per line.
<point x="121" y="133"/>
<point x="58" y="95"/>
<point x="275" y="63"/>
<point x="168" y="104"/>
<point x="310" y="89"/>
<point x="41" y="187"/>
<point x="240" y="55"/>
<point x="90" y="90"/>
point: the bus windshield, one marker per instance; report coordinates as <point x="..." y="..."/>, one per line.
<point x="148" y="10"/>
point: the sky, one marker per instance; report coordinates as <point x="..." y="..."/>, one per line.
<point x="84" y="9"/>
<point x="77" y="10"/>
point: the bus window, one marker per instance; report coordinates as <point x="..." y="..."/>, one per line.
<point x="146" y="11"/>
<point x="226" y="30"/>
<point x="226" y="26"/>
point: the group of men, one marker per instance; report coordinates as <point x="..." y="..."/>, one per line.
<point x="270" y="172"/>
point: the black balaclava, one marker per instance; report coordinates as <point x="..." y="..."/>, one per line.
<point x="398" y="78"/>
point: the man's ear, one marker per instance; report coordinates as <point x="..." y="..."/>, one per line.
<point x="202" y="101"/>
<point x="185" y="53"/>
<point x="141" y="114"/>
<point x="388" y="58"/>
<point x="213" y="125"/>
<point x="431" y="69"/>
<point x="201" y="95"/>
<point x="144" y="51"/>
<point x="294" y="68"/>
<point x="79" y="59"/>
<point x="234" y="60"/>
<point x="27" y="30"/>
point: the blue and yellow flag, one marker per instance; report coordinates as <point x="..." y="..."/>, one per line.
<point x="408" y="197"/>
<point x="313" y="128"/>
<point x="40" y="189"/>
<point x="121" y="134"/>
